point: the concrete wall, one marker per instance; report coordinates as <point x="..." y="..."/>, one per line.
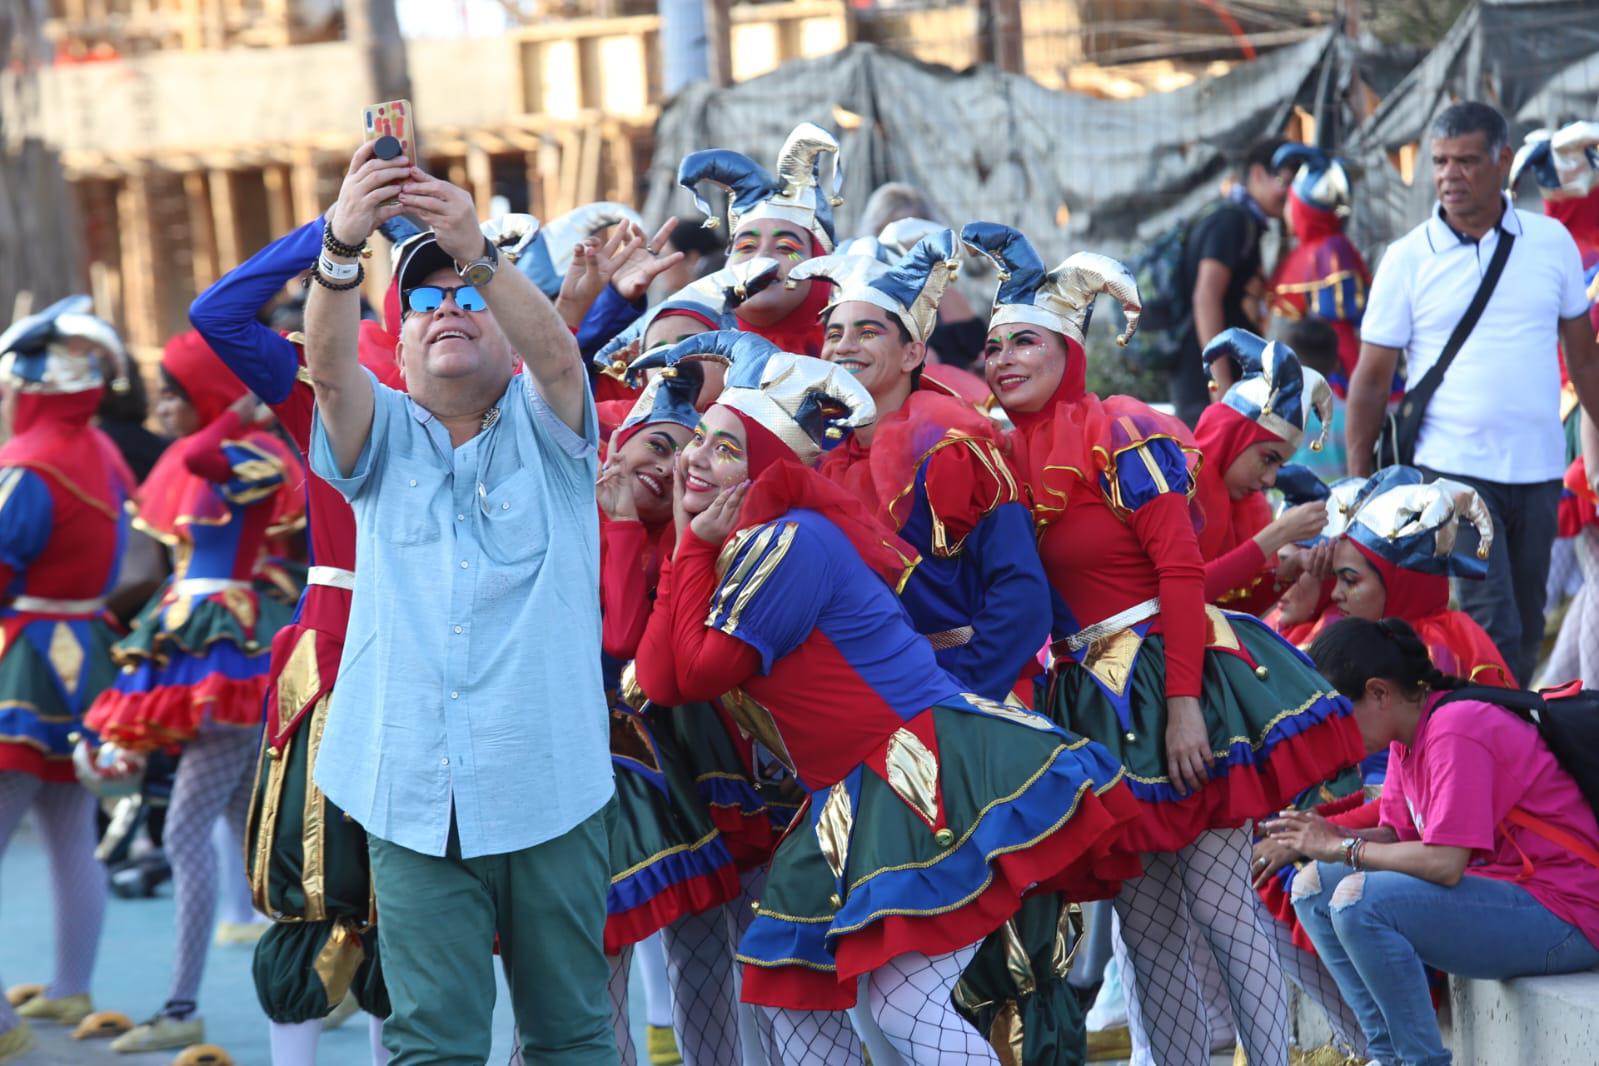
<point x="1547" y="1021"/>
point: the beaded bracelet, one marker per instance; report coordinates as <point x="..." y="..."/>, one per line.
<point x="334" y="286"/>
<point x="338" y="247"/>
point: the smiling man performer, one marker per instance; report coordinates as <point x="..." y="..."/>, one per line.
<point x="788" y="218"/>
<point x="933" y="470"/>
<point x="475" y="526"/>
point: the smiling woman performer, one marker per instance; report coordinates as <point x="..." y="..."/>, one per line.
<point x="1216" y="719"/>
<point x="1245" y="440"/>
<point x="930" y="812"/>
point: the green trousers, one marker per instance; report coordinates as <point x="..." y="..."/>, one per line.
<point x="436" y="934"/>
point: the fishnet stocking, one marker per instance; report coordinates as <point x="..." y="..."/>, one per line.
<point x="754" y="1025"/>
<point x="699" y="967"/>
<point x="812" y="1038"/>
<point x="65" y="814"/>
<point x="910" y="1002"/>
<point x="1310" y="974"/>
<point x="213" y="781"/>
<point x="621" y="967"/>
<point x="1163" y="996"/>
<point x="1215" y="870"/>
<point x="1218" y="1012"/>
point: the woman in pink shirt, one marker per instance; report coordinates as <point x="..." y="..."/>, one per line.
<point x="1443" y="880"/>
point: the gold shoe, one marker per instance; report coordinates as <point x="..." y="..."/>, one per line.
<point x="17" y="995"/>
<point x="16" y="1042"/>
<point x="161" y="1033"/>
<point x="1107" y="1045"/>
<point x="1326" y="1055"/>
<point x="230" y="934"/>
<point x="68" y="1010"/>
<point x="102" y="1023"/>
<point x="662" y="1046"/>
<point x="203" y="1055"/>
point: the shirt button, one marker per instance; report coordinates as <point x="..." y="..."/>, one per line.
<point x="413" y="483"/>
<point x="457" y="629"/>
<point x="505" y="507"/>
<point x="463" y="564"/>
<point x="455" y="695"/>
<point x="444" y="761"/>
<point x="460" y="518"/>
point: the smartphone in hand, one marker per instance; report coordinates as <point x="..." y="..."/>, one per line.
<point x="392" y="118"/>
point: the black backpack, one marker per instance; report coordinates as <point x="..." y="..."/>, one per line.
<point x="1167" y="291"/>
<point x="1567" y="718"/>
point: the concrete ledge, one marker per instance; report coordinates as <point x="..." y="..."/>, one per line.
<point x="1552" y="1021"/>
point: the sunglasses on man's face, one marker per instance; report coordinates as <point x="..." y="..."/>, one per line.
<point x="427" y="298"/>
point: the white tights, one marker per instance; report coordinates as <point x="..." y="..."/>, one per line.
<point x="294" y="1043"/>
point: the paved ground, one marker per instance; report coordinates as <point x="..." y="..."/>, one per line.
<point x="135" y="965"/>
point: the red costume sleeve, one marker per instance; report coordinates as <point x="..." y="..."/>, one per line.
<point x="1164" y="529"/>
<point x="202" y="452"/>
<point x="1365" y="816"/>
<point x="679" y="659"/>
<point x="624" y="587"/>
<point x="1234" y="570"/>
<point x="964" y="483"/>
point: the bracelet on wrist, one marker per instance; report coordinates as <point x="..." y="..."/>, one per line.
<point x="338" y="247"/>
<point x="339" y="286"/>
<point x="336" y="271"/>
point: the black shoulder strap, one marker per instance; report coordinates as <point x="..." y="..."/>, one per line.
<point x="1434" y="376"/>
<point x="1521" y="702"/>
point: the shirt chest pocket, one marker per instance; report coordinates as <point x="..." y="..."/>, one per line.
<point x="511" y="518"/>
<point x="416" y="489"/>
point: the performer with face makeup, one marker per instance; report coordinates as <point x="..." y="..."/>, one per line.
<point x="926" y="805"/>
<point x="1216" y="719"/>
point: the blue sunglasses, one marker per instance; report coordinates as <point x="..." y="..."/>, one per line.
<point x="426" y="298"/>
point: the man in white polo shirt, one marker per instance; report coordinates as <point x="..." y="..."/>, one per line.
<point x="1494" y="421"/>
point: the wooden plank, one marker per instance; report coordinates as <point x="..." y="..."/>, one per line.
<point x="480" y="178"/>
<point x="202" y="229"/>
<point x="225" y="221"/>
<point x="138" y="262"/>
<point x="281" y="216"/>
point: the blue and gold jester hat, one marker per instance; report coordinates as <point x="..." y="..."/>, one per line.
<point x="667" y="398"/>
<point x="794" y="195"/>
<point x="1412" y="523"/>
<point x="711" y="299"/>
<point x="1321" y="182"/>
<point x="37" y="354"/>
<point x="1274" y="391"/>
<point x="809" y="404"/>
<point x="909" y="289"/>
<point x="1564" y="162"/>
<point x="1059" y="300"/>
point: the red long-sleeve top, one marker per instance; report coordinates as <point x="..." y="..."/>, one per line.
<point x="679" y="658"/>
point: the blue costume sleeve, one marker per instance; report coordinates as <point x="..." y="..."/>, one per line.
<point x="26" y="515"/>
<point x="1144" y="471"/>
<point x="609" y="316"/>
<point x="773" y="589"/>
<point x="1013" y="621"/>
<point x="225" y="313"/>
<point x="255" y="473"/>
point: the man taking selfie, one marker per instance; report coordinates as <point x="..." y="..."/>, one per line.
<point x="468" y="739"/>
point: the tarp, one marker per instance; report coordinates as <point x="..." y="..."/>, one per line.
<point x="1076" y="172"/>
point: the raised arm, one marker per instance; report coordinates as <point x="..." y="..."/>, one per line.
<point x="530" y="322"/>
<point x="225" y="313"/>
<point x="333" y="317"/>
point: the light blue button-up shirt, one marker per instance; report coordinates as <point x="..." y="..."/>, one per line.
<point x="471" y="670"/>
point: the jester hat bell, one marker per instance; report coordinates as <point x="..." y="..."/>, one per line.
<point x="1059" y="300"/>
<point x="794" y="195"/>
<point x="1274" y="391"/>
<point x="37" y="354"/>
<point x="1412" y="524"/>
<point x="909" y="289"/>
<point x="1321" y="182"/>
<point x="808" y="404"/>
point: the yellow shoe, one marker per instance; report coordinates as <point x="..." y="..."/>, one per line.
<point x="16" y="1042"/>
<point x="102" y="1023"/>
<point x="230" y="934"/>
<point x="68" y="1010"/>
<point x="203" y="1055"/>
<point x="662" y="1046"/>
<point x="1239" y="1058"/>
<point x="161" y="1033"/>
<point x="17" y="995"/>
<point x="1107" y="1045"/>
<point x="1326" y="1055"/>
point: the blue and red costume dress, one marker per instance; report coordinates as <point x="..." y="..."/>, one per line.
<point x="1323" y="276"/>
<point x="930" y="812"/>
<point x="1110" y="483"/>
<point x="199" y="650"/>
<point x="668" y="859"/>
<point x="936" y="474"/>
<point x="63" y="486"/>
<point x="307" y="863"/>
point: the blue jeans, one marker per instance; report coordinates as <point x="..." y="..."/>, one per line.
<point x="1374" y="931"/>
